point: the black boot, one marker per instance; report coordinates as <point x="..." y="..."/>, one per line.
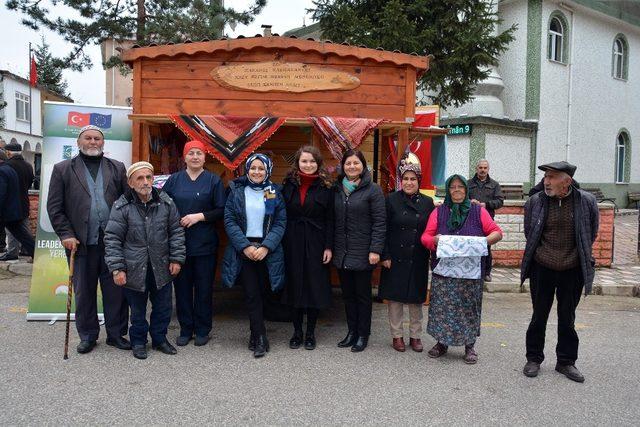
<point x="310" y="341"/>
<point x="360" y="344"/>
<point x="349" y="340"/>
<point x="262" y="346"/>
<point x="252" y="342"/>
<point x="296" y="340"/>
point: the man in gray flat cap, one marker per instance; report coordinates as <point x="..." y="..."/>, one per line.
<point x="81" y="193"/>
<point x="560" y="224"/>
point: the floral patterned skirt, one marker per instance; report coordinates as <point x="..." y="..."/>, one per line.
<point x="455" y="310"/>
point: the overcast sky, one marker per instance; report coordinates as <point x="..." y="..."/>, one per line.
<point x="88" y="87"/>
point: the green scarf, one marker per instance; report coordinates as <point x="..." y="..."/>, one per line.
<point x="459" y="211"/>
<point x="348" y="186"/>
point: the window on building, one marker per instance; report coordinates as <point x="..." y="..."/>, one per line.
<point x="620" y="58"/>
<point x="556" y="39"/>
<point x="622" y="154"/>
<point x="23" y="107"/>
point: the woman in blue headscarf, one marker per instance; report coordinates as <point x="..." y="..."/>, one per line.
<point x="255" y="219"/>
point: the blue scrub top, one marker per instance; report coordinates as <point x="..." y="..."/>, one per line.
<point x="206" y="194"/>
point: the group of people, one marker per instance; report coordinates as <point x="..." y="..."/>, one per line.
<point x="142" y="242"/>
<point x="16" y="178"/>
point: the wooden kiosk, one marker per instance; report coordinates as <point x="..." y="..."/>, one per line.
<point x="272" y="76"/>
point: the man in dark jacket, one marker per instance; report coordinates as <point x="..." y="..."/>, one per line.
<point x="487" y="193"/>
<point x="560" y="224"/>
<point x="25" y="180"/>
<point x="144" y="245"/>
<point x="81" y="193"/>
<point x="11" y="215"/>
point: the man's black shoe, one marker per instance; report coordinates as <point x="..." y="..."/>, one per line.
<point x="252" y="343"/>
<point x="140" y="351"/>
<point x="119" y="342"/>
<point x="165" y="347"/>
<point x="571" y="372"/>
<point x="86" y="346"/>
<point x="8" y="257"/>
<point x="183" y="340"/>
<point x="531" y="369"/>
<point x="200" y="341"/>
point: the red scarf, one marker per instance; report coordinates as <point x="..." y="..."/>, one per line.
<point x="305" y="183"/>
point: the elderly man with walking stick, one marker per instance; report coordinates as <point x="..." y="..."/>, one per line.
<point x="81" y="193"/>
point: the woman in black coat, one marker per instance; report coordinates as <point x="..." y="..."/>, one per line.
<point x="405" y="260"/>
<point x="359" y="235"/>
<point x="308" y="242"/>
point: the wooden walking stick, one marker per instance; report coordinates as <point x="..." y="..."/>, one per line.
<point x="69" y="296"/>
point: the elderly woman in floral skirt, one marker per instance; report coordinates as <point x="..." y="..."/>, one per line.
<point x="456" y="302"/>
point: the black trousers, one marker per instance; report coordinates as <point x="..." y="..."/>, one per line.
<point x="567" y="287"/>
<point x="254" y="278"/>
<point x="23" y="235"/>
<point x="356" y="293"/>
<point x="194" y="295"/>
<point x="89" y="267"/>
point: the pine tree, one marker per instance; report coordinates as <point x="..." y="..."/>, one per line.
<point x="158" y="21"/>
<point x="458" y="33"/>
<point x="49" y="70"/>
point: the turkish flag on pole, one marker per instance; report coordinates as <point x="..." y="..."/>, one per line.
<point x="33" y="73"/>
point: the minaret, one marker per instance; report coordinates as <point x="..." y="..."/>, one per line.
<point x="486" y="97"/>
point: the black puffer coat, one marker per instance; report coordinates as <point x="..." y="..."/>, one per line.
<point x="406" y="280"/>
<point x="137" y="235"/>
<point x="360" y="224"/>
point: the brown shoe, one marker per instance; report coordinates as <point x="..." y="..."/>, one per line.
<point x="416" y="344"/>
<point x="470" y="356"/>
<point x="437" y="350"/>
<point x="398" y="344"/>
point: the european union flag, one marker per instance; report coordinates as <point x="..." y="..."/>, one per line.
<point x="100" y="120"/>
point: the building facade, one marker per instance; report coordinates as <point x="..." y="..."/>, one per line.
<point x="571" y="83"/>
<point x="22" y="115"/>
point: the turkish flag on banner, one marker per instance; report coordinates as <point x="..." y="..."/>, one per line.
<point x="78" y="120"/>
<point x="33" y="73"/>
<point x="422" y="148"/>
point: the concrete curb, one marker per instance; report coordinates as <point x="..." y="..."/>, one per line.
<point x="17" y="267"/>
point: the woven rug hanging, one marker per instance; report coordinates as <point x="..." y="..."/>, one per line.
<point x="343" y="133"/>
<point x="230" y="139"/>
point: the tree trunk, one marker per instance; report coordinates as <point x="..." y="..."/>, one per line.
<point x="142" y="17"/>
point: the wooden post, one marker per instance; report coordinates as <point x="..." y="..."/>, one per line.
<point x="138" y="141"/>
<point x="403" y="141"/>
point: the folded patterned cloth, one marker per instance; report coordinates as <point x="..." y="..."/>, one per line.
<point x="460" y="256"/>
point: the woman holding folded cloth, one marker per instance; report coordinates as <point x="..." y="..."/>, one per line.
<point x="463" y="231"/>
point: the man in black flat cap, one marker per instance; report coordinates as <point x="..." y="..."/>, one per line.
<point x="560" y="224"/>
<point x="81" y="192"/>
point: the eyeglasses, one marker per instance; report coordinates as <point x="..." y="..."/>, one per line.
<point x="457" y="187"/>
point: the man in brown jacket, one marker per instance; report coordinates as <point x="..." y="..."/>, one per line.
<point x="81" y="193"/>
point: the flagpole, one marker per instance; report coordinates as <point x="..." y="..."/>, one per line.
<point x="30" y="98"/>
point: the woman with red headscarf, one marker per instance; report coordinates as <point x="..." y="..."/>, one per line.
<point x="200" y="198"/>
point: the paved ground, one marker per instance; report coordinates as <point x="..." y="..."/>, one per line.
<point x="222" y="383"/>
<point x="625" y="249"/>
